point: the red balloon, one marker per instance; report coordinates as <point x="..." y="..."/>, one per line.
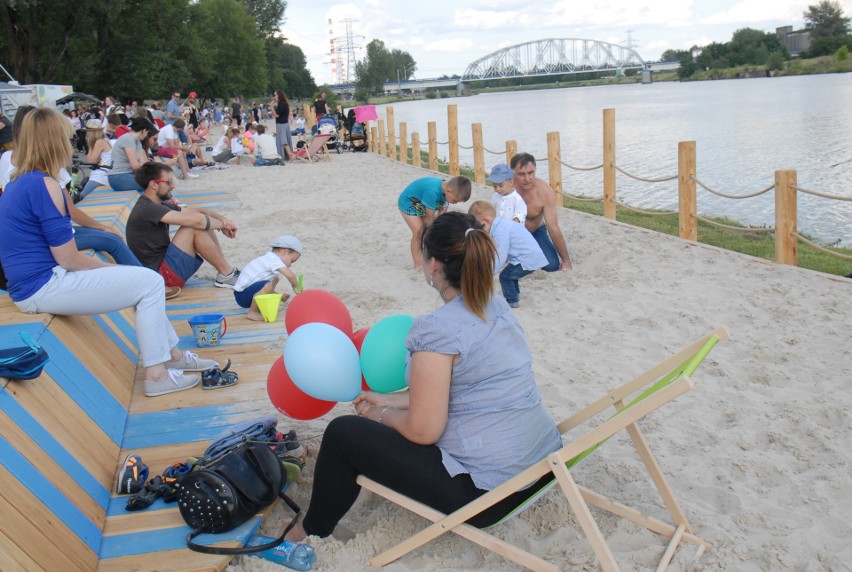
<point x="192" y="94"/>
<point x="357" y="338"/>
<point x="289" y="399"/>
<point x="317" y="306"/>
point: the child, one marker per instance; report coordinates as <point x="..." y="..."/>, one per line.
<point x="261" y="275"/>
<point x="267" y="149"/>
<point x="507" y="202"/>
<point x="426" y="198"/>
<point x="515" y="246"/>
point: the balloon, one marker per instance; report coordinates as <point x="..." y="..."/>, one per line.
<point x="357" y="338"/>
<point x="383" y="353"/>
<point x="317" y="306"/>
<point x="193" y="95"/>
<point x="322" y="361"/>
<point x="289" y="399"/>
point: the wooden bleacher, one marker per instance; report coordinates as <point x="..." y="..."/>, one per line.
<point x="64" y="435"/>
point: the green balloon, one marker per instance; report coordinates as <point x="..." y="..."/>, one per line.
<point x="383" y="353"/>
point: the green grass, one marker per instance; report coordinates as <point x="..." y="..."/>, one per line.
<point x="761" y="245"/>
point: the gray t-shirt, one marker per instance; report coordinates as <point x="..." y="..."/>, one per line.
<point x="120" y="162"/>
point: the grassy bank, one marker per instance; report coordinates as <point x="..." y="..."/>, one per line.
<point x="761" y="245"/>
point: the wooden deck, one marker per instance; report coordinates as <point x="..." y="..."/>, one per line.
<point x="64" y="435"/>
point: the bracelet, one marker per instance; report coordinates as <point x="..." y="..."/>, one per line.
<point x="207" y="219"/>
<point x="382" y="414"/>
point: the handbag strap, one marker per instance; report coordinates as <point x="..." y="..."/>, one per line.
<point x="246" y="549"/>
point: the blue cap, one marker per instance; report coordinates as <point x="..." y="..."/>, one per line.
<point x="499" y="173"/>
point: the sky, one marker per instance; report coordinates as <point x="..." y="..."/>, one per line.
<point x="444" y="36"/>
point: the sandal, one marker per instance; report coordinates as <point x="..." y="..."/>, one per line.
<point x="215" y="378"/>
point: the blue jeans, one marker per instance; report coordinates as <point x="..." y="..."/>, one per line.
<point x="510" y="275"/>
<point x="103" y="241"/>
<point x="124" y="182"/>
<point x="90" y="186"/>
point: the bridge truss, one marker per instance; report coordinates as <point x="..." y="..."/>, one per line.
<point x="553" y="56"/>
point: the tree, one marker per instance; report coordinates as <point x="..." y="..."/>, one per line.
<point x="288" y="69"/>
<point x="380" y="65"/>
<point x="268" y="15"/>
<point x="827" y="25"/>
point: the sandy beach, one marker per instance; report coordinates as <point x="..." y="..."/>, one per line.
<point x="757" y="453"/>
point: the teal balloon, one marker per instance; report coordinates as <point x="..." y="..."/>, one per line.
<point x="383" y="353"/>
<point x="323" y="362"/>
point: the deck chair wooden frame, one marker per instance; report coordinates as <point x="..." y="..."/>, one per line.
<point x="658" y="386"/>
<point x="315" y="150"/>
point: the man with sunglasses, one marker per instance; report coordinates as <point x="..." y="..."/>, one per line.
<point x="173" y="108"/>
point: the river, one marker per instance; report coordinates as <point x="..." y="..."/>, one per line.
<point x="744" y="130"/>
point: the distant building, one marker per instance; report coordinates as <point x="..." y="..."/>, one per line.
<point x="796" y="42"/>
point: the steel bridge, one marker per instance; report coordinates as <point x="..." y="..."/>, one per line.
<point x="553" y="56"/>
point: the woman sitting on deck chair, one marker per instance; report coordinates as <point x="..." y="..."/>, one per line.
<point x="472" y="416"/>
<point x="46" y="272"/>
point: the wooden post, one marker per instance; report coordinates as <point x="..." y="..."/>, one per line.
<point x="415" y="149"/>
<point x="383" y="149"/>
<point x="786" y="242"/>
<point x="478" y="154"/>
<point x="687" y="204"/>
<point x="453" y="130"/>
<point x="433" y="146"/>
<point x="391" y="133"/>
<point x="374" y="134"/>
<point x="403" y="142"/>
<point x="609" y="163"/>
<point x="511" y="151"/>
<point x="554" y="166"/>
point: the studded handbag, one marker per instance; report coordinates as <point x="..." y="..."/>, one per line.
<point x="229" y="490"/>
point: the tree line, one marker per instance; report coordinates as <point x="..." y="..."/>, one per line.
<point x="144" y="49"/>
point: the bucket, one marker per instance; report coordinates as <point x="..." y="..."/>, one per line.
<point x="208" y="329"/>
<point x="268" y="305"/>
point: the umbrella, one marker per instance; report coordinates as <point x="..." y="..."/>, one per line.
<point x="77" y="96"/>
<point x="365" y="113"/>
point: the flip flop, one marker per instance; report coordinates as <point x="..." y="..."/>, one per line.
<point x="216" y="378"/>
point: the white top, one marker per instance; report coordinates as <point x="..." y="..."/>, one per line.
<point x="101" y="175"/>
<point x="221" y="146"/>
<point x="510" y="206"/>
<point x="261" y="268"/>
<point x="6" y="168"/>
<point x="166" y="133"/>
<point x="265" y="145"/>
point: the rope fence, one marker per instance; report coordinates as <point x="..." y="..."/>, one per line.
<point x="785" y="186"/>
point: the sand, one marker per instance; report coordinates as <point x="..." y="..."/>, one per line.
<point x="758" y="453"/>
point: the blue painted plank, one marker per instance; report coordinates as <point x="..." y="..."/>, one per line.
<point x="118" y="341"/>
<point x="54" y="448"/>
<point x="49" y="495"/>
<point x="10" y="337"/>
<point x="235" y="339"/>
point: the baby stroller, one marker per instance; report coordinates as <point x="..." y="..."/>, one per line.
<point x="327" y="124"/>
<point x="355" y="137"/>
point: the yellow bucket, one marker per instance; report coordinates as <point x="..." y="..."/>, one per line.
<point x="268" y="305"/>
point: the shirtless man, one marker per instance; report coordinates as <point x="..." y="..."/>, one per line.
<point x="541" y="219"/>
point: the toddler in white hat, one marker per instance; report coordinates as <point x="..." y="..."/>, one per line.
<point x="261" y="275"/>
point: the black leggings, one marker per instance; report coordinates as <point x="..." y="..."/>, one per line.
<point x="353" y="446"/>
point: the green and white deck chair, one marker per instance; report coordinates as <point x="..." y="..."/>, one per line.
<point x="655" y="387"/>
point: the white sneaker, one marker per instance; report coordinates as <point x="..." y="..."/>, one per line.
<point x="191" y="362"/>
<point x="192" y="175"/>
<point x="175" y="380"/>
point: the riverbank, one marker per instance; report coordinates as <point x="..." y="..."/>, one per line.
<point x="755" y="453"/>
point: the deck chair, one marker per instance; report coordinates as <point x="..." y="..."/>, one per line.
<point x="655" y="388"/>
<point x="315" y="150"/>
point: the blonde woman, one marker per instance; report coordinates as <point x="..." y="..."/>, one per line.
<point x="46" y="273"/>
<point x="100" y="154"/>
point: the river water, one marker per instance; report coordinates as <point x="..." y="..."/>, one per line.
<point x="744" y="130"/>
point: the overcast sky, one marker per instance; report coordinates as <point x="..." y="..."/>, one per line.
<point x="444" y="36"/>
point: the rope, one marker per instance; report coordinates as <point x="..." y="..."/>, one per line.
<point x="465" y="146"/>
<point x="643" y="211"/>
<point x="645" y="179"/>
<point x="540" y="159"/>
<point x="715" y="192"/>
<point x="503" y="152"/>
<point x="823" y="195"/>
<point x="822" y="249"/>
<point x="582" y="199"/>
<point x="442" y="142"/>
<point x="737" y="228"/>
<point x="582" y="168"/>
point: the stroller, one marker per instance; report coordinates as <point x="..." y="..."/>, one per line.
<point x="327" y="124"/>
<point x="355" y="138"/>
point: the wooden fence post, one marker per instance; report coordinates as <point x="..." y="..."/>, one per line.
<point x="478" y="154"/>
<point x="786" y="242"/>
<point x="433" y="146"/>
<point x="687" y="204"/>
<point x="403" y="142"/>
<point x="554" y="166"/>
<point x="453" y="130"/>
<point x="609" y="163"/>
<point x="511" y="151"/>
<point x="391" y="133"/>
<point x="415" y="149"/>
<point x="383" y="149"/>
<point x="374" y="145"/>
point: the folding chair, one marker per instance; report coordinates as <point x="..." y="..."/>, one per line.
<point x="316" y="149"/>
<point x="656" y="387"/>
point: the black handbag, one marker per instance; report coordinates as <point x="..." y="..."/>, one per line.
<point x="25" y="362"/>
<point x="229" y="490"/>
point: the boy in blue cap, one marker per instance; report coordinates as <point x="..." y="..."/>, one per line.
<point x="507" y="202"/>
